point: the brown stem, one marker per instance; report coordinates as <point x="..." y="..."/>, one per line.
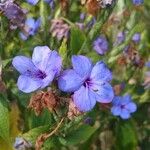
<point x="40" y="140"/>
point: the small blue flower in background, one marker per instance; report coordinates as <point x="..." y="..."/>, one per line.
<point x="138" y="2"/>
<point x="32" y="2"/>
<point x="51" y="3"/>
<point x="31" y="27"/>
<point x="38" y="72"/>
<point x="91" y="23"/>
<point x="87" y="82"/>
<point x="120" y="38"/>
<point x="123" y="106"/>
<point x="136" y="37"/>
<point x="100" y="45"/>
<point x="147" y="64"/>
<point x="82" y="16"/>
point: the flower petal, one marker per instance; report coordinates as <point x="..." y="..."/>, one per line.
<point x="46" y="60"/>
<point x="126" y="99"/>
<point x="82" y="65"/>
<point x="41" y="56"/>
<point x="104" y="93"/>
<point x="84" y="99"/>
<point x="117" y="101"/>
<point x="32" y="2"/>
<point x="116" y="110"/>
<point x="27" y="84"/>
<point x="101" y="72"/>
<point x="131" y="107"/>
<point x="54" y="63"/>
<point x="47" y="81"/>
<point x="125" y="114"/>
<point x="69" y="81"/>
<point x="23" y="64"/>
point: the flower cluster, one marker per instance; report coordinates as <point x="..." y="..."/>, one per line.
<point x="123" y="106"/>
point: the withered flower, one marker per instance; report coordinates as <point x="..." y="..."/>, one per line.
<point x="118" y="88"/>
<point x="59" y="29"/>
<point x="93" y="7"/>
<point x="42" y="100"/>
<point x="73" y="110"/>
<point x="14" y="13"/>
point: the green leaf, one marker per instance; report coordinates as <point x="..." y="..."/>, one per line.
<point x="77" y="39"/>
<point x="126" y="138"/>
<point x="82" y="134"/>
<point x="34" y="133"/>
<point x="4" y="119"/>
<point x="63" y="49"/>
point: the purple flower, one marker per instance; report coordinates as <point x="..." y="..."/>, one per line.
<point x="31" y="27"/>
<point x="147" y="64"/>
<point x="136" y="37"/>
<point x="32" y="2"/>
<point x="91" y="23"/>
<point x="120" y="38"/>
<point x="51" y="3"/>
<point x="82" y="16"/>
<point x="87" y="82"/>
<point x="138" y="2"/>
<point x="38" y="72"/>
<point x="123" y="106"/>
<point x="100" y="45"/>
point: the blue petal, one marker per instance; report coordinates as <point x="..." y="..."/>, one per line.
<point x="30" y="22"/>
<point x="69" y="81"/>
<point x="131" y="107"/>
<point x="116" y="110"/>
<point x="101" y="72"/>
<point x="27" y="84"/>
<point x="125" y="114"/>
<point x="117" y="101"/>
<point x="23" y="64"/>
<point x="54" y="63"/>
<point x="84" y="99"/>
<point x="82" y="65"/>
<point x="47" y="81"/>
<point x="23" y="36"/>
<point x="126" y="99"/>
<point x="46" y="60"/>
<point x="104" y="92"/>
<point x="40" y="57"/>
<point x="37" y="24"/>
<point x="32" y="2"/>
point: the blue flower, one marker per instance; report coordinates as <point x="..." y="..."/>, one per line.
<point x="51" y="3"/>
<point x="38" y="72"/>
<point x="31" y="27"/>
<point x="120" y="38"/>
<point x="138" y="2"/>
<point x="100" y="45"/>
<point x="147" y="64"/>
<point x="32" y="2"/>
<point x="87" y="82"/>
<point x="123" y="106"/>
<point x="136" y="37"/>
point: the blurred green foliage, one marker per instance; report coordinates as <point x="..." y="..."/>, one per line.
<point x="108" y="132"/>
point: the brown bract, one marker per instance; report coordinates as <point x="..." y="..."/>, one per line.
<point x="93" y="7"/>
<point x="73" y="110"/>
<point x="42" y="100"/>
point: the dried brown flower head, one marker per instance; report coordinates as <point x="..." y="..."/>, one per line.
<point x="92" y="7"/>
<point x="42" y="100"/>
<point x="118" y="88"/>
<point x="14" y="13"/>
<point x="59" y="29"/>
<point x="64" y="5"/>
<point x="73" y="110"/>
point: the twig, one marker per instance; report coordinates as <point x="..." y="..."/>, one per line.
<point x="40" y="140"/>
